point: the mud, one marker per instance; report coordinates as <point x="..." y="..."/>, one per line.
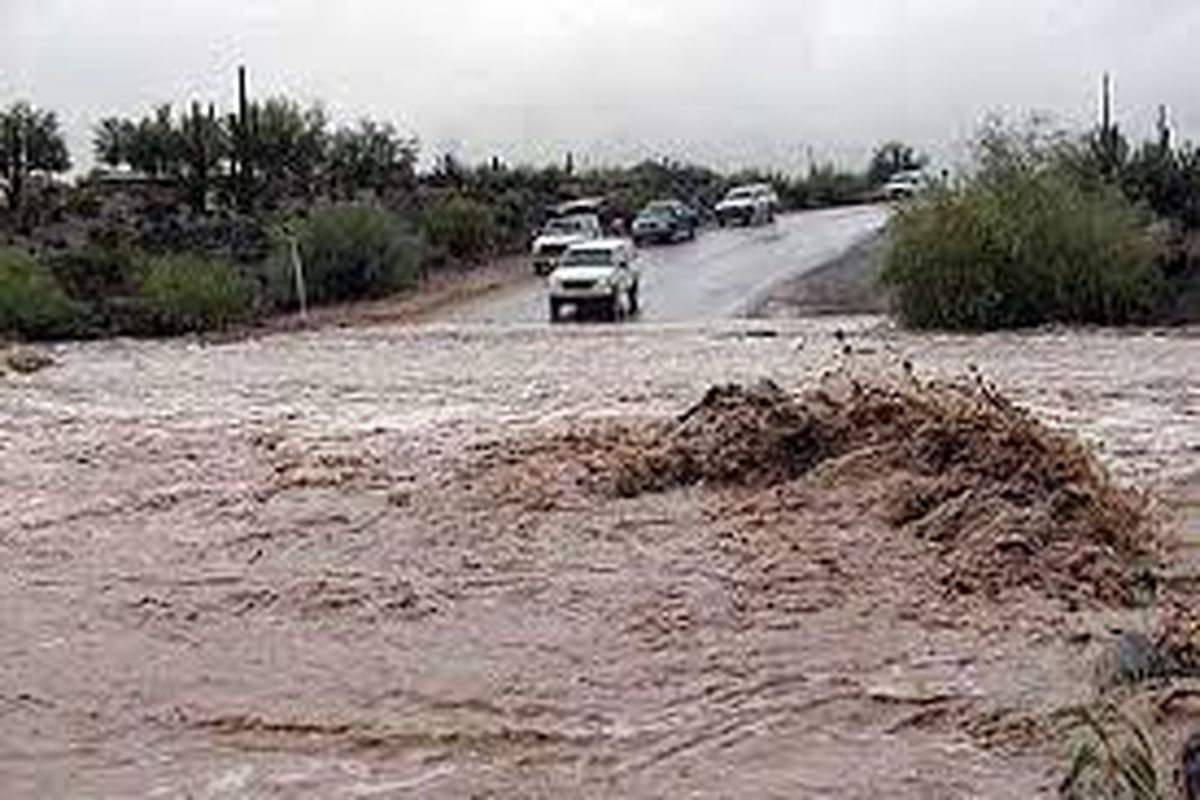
<point x="357" y="564"/>
<point x="1006" y="501"/>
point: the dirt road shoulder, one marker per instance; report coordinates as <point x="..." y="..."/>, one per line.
<point x="439" y="292"/>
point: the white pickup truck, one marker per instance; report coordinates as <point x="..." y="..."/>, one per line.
<point x="601" y="276"/>
<point x="905" y="184"/>
<point x="558" y="235"/>
<point x="754" y="204"/>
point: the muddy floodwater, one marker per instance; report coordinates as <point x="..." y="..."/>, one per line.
<point x="313" y="566"/>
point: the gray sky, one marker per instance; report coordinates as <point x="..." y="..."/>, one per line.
<point x="731" y="82"/>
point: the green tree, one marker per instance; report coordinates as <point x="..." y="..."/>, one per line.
<point x="202" y="144"/>
<point x="190" y="150"/>
<point x="371" y="157"/>
<point x="113" y="141"/>
<point x="891" y="158"/>
<point x="288" y="148"/>
<point x="155" y="145"/>
<point x="31" y="143"/>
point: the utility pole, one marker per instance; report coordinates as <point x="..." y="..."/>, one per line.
<point x="298" y="274"/>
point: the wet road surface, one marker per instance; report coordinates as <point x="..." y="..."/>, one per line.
<point x="721" y="275"/>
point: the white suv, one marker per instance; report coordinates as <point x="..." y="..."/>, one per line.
<point x="561" y="233"/>
<point x="905" y="184"/>
<point x="600" y="275"/>
<point x="753" y="204"/>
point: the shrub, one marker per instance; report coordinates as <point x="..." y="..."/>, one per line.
<point x="187" y="294"/>
<point x="33" y="304"/>
<point x="96" y="271"/>
<point x="463" y="228"/>
<point x="1113" y="757"/>
<point x="353" y="251"/>
<point x="1022" y="243"/>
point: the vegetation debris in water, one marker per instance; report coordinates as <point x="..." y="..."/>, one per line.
<point x="1006" y="501"/>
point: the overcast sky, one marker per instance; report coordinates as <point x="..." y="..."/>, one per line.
<point x="731" y="82"/>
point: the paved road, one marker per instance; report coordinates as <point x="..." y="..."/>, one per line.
<point x="721" y="275"/>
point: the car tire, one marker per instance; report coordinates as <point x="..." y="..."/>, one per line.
<point x="634" y="302"/>
<point x="555" y="310"/>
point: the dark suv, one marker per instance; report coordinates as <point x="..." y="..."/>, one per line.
<point x="664" y="221"/>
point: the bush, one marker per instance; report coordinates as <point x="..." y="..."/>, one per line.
<point x="33" y="304"/>
<point x="351" y="252"/>
<point x="1022" y="243"/>
<point x="188" y="294"/>
<point x="95" y="272"/>
<point x="463" y="228"/>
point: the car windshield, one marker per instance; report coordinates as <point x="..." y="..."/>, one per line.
<point x="580" y="207"/>
<point x="588" y="258"/>
<point x="564" y="226"/>
<point x="659" y="210"/>
<point x="743" y="194"/>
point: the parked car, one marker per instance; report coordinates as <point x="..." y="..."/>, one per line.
<point x="753" y="204"/>
<point x="559" y="234"/>
<point x="905" y="184"/>
<point x="602" y="276"/>
<point x="665" y="221"/>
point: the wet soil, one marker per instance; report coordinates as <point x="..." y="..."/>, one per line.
<point x="358" y="563"/>
<point x="445" y="289"/>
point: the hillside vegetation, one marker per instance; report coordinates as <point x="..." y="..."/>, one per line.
<point x="1048" y="229"/>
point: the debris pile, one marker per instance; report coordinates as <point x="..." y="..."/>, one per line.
<point x="26" y="362"/>
<point x="737" y="435"/>
<point x="1178" y="635"/>
<point x="1006" y="501"/>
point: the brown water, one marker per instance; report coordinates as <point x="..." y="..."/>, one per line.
<point x="310" y="566"/>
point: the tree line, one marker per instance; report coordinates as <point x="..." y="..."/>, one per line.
<point x="276" y="151"/>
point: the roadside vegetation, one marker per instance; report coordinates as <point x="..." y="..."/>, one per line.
<point x="355" y="251"/>
<point x="193" y="217"/>
<point x="31" y="300"/>
<point x="1050" y="228"/>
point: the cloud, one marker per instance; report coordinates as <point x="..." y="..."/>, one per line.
<point x="736" y="82"/>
